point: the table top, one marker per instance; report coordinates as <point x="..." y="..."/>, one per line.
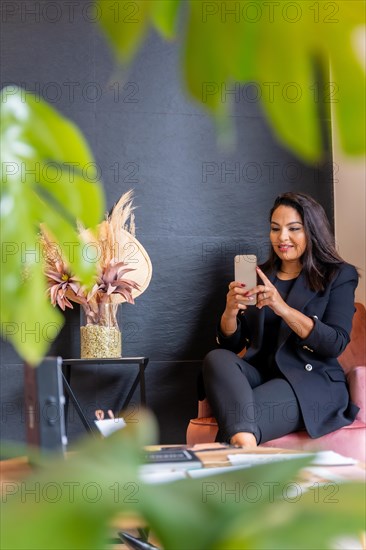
<point x="216" y="455"/>
<point x="105" y="361"/>
<point x="211" y="454"/>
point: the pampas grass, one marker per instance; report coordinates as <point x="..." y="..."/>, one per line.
<point x="111" y="239"/>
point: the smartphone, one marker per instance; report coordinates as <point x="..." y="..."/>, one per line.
<point x="245" y="271"/>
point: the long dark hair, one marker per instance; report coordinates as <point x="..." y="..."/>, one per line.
<point x="320" y="260"/>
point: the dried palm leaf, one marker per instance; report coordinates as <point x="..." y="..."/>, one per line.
<point x="50" y="250"/>
<point x="121" y="215"/>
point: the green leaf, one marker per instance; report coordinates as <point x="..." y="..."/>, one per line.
<point x="74" y="500"/>
<point x="309" y="520"/>
<point x="200" y="513"/>
<point x="206" y="62"/>
<point x="286" y="78"/>
<point x="272" y="44"/>
<point x="164" y="17"/>
<point x="47" y="175"/>
<point x="206" y="68"/>
<point x="71" y="503"/>
<point x="347" y="93"/>
<point x="125" y="24"/>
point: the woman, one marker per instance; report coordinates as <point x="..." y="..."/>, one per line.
<point x="289" y="378"/>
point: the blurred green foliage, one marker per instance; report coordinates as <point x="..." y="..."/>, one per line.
<point x="48" y="175"/>
<point x="70" y="504"/>
<point x="274" y="45"/>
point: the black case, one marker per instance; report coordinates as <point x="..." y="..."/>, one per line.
<point x="44" y="405"/>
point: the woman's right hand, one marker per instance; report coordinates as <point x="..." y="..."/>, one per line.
<point x="235" y="301"/>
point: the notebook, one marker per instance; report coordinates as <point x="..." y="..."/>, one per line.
<point x="170" y="460"/>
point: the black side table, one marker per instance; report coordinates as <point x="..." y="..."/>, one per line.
<point x="140" y="379"/>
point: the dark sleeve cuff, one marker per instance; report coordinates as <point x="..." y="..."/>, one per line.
<point x="326" y="340"/>
<point x="236" y="341"/>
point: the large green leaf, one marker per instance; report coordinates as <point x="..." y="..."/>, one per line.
<point x="201" y="513"/>
<point x="70" y="504"/>
<point x="207" y="62"/>
<point x="164" y="16"/>
<point x="75" y="499"/>
<point x="48" y="175"/>
<point x="274" y="44"/>
<point x="125" y="24"/>
<point x="348" y="96"/>
<point x="286" y="79"/>
<point x="308" y="520"/>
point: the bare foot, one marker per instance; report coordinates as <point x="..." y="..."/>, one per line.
<point x="244" y="439"/>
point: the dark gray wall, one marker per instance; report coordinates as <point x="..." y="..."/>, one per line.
<point x="197" y="206"/>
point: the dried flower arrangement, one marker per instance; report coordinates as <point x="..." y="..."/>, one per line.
<point x="101" y="337"/>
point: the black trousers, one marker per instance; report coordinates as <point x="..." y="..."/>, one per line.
<point x="244" y="400"/>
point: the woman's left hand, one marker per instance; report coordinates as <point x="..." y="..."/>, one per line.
<point x="268" y="295"/>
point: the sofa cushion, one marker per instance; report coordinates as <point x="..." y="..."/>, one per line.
<point x="357" y="388"/>
<point x="355" y="352"/>
<point x="347" y="441"/>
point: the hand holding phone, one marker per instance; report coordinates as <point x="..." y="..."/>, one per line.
<point x="245" y="272"/>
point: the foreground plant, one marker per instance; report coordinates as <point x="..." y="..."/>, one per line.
<point x="285" y="50"/>
<point x="38" y="146"/>
<point x="71" y="504"/>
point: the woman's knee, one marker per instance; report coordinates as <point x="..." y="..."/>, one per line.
<point x="217" y="359"/>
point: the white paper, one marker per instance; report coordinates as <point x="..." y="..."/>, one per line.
<point x="322" y="458"/>
<point x="164" y="476"/>
<point x="330" y="458"/>
<point x="255" y="459"/>
<point x="110" y="425"/>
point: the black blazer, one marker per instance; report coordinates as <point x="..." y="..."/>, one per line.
<point x="310" y="365"/>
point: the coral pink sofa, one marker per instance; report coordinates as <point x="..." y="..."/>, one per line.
<point x="348" y="441"/>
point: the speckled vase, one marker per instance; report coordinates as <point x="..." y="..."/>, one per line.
<point x="100" y="334"/>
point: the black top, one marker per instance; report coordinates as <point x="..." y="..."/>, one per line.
<point x="266" y="361"/>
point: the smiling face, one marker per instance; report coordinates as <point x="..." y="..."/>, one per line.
<point x="288" y="235"/>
